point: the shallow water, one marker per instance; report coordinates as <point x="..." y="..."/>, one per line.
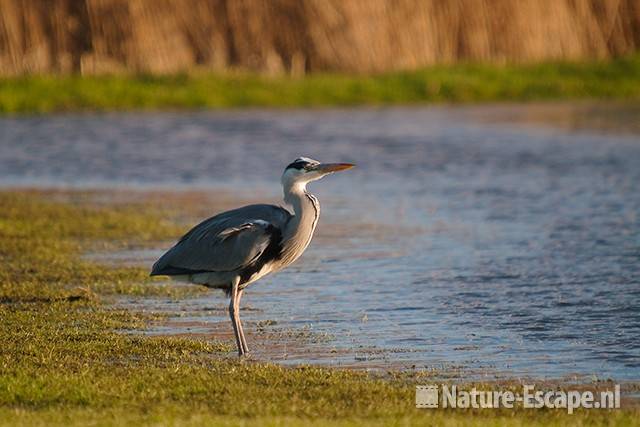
<point x="503" y="238"/>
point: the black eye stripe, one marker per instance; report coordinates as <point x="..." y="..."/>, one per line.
<point x="299" y="164"/>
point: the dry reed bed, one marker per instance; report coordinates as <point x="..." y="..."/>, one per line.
<point x="299" y="36"/>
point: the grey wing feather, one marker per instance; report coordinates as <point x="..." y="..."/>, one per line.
<point x="226" y="242"/>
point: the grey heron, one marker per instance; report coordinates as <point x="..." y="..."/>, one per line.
<point x="235" y="248"/>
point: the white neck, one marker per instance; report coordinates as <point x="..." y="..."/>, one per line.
<point x="300" y="228"/>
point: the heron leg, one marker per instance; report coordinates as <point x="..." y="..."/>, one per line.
<point x="243" y="340"/>
<point x="233" y="314"/>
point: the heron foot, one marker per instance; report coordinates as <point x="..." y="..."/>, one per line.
<point x="244" y="354"/>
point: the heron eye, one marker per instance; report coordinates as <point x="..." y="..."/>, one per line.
<point x="310" y="166"/>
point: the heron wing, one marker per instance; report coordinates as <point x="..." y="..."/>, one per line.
<point x="226" y="242"/>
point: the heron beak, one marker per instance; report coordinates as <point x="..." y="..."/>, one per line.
<point x="333" y="167"/>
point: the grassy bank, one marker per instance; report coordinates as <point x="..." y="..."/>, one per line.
<point x="66" y="359"/>
<point x="619" y="79"/>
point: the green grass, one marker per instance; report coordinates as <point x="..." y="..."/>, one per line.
<point x="66" y="359"/>
<point x="618" y="79"/>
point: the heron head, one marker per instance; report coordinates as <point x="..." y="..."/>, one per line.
<point x="304" y="170"/>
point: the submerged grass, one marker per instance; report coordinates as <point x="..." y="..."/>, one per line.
<point x="41" y="242"/>
<point x="616" y="79"/>
<point x="66" y="359"/>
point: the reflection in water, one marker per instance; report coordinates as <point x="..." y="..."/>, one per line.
<point x="461" y="238"/>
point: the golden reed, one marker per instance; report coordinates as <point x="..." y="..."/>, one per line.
<point x="300" y="36"/>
